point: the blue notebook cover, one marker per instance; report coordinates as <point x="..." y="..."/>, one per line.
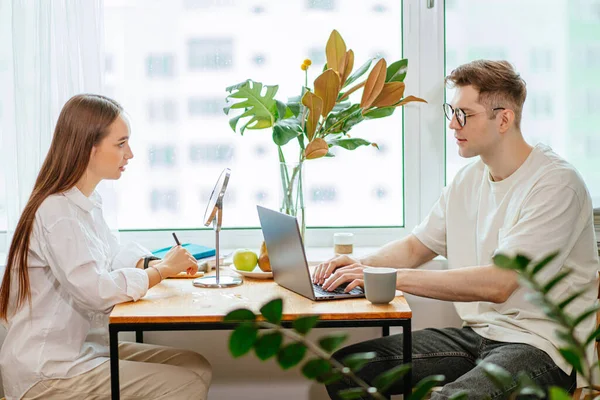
<point x="198" y="251"/>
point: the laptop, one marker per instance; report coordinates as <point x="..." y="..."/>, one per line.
<point x="288" y="259"/>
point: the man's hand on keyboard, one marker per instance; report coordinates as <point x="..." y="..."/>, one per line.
<point x="351" y="273"/>
<point x="325" y="269"/>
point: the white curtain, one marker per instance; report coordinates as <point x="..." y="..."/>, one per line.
<point x="50" y="50"/>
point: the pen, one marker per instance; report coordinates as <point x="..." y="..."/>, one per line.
<point x="176" y="240"/>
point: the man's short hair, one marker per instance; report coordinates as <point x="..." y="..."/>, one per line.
<point x="498" y="83"/>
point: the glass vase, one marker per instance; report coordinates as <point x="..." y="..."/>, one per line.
<point x="291" y="192"/>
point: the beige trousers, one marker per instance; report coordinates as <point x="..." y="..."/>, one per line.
<point x="145" y="372"/>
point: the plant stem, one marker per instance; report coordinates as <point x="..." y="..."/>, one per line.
<point x="322" y="354"/>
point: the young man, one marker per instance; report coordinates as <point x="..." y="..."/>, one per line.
<point x="515" y="199"/>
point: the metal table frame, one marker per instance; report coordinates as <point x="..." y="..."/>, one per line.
<point x="139" y="328"/>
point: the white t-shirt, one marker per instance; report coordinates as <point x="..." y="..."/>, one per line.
<point x="77" y="272"/>
<point x="544" y="206"/>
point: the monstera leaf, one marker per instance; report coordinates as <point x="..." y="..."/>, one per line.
<point x="262" y="109"/>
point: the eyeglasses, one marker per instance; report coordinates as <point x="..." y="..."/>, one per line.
<point x="461" y="115"/>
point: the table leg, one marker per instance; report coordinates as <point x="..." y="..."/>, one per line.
<point x="139" y="336"/>
<point x="113" y="332"/>
<point x="385" y="330"/>
<point x="407" y="354"/>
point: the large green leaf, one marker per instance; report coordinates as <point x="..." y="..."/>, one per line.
<point x="500" y="377"/>
<point x="346" y="118"/>
<point x="359" y="72"/>
<point x="396" y="72"/>
<point x="291" y="355"/>
<point x="268" y="345"/>
<point x="564" y="303"/>
<point x="315" y="368"/>
<point x="505" y="262"/>
<point x="358" y="360"/>
<point x="572" y="356"/>
<point x="331" y="342"/>
<point x="285" y="130"/>
<point x="260" y="108"/>
<point x="557" y="393"/>
<point x="273" y="311"/>
<point x="352" y="393"/>
<point x="303" y="325"/>
<point x="330" y="377"/>
<point x="540" y="265"/>
<point x="556" y="279"/>
<point x="380" y="112"/>
<point x="528" y="387"/>
<point x="586" y="314"/>
<point x="241" y="314"/>
<point x="242" y="339"/>
<point x="425" y="386"/>
<point x="349" y="143"/>
<point x="386" y="379"/>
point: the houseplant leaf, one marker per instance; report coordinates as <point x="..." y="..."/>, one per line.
<point x="286" y="130"/>
<point x="387" y="378"/>
<point x="303" y="325"/>
<point x="349" y="143"/>
<point x="379" y="112"/>
<point x="291" y="355"/>
<point x="396" y="72"/>
<point x="391" y="93"/>
<point x="409" y="99"/>
<point x="241" y="314"/>
<point x="267" y="345"/>
<point x="336" y="120"/>
<point x="348" y="65"/>
<point x="327" y="87"/>
<point x="374" y="85"/>
<point x="359" y="72"/>
<point x="315" y="105"/>
<point x="331" y="342"/>
<point x="317" y="148"/>
<point x="261" y="108"/>
<point x="335" y="51"/>
<point x="242" y="339"/>
<point x="358" y="360"/>
<point x="273" y="311"/>
<point x="315" y="368"/>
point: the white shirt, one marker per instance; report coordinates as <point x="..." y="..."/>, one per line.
<point x="77" y="272"/>
<point x="542" y="207"/>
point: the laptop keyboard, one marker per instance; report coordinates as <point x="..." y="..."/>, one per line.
<point x="319" y="291"/>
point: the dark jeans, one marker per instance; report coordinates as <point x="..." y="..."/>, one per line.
<point x="453" y="353"/>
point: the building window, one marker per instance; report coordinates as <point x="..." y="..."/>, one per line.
<point x="380" y="193"/>
<point x="323" y="194"/>
<point x="162" y="111"/>
<point x="258" y="9"/>
<point x="164" y="199"/>
<point x="205" y="106"/>
<point x="210" y="53"/>
<point x="108" y="64"/>
<point x="160" y="156"/>
<point x="160" y="65"/>
<point x="228" y="199"/>
<point x="320" y="4"/>
<point x="195" y="4"/>
<point x="487" y="53"/>
<point x="211" y="153"/>
<point x="261" y="196"/>
<point x="540" y="105"/>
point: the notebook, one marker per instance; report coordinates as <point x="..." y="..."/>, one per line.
<point x="197" y="250"/>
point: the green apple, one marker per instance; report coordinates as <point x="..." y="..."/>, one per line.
<point x="245" y="259"/>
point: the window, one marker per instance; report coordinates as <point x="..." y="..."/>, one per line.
<point x="158" y="66"/>
<point x="562" y="41"/>
<point x="211" y="153"/>
<point x="210" y="54"/>
<point x="320" y="4"/>
<point x="159" y="156"/>
<point x="162" y="111"/>
<point x="218" y="53"/>
<point x="164" y="200"/>
<point x="198" y="106"/>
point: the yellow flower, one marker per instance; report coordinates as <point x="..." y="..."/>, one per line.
<point x="307" y="62"/>
<point x="304" y="67"/>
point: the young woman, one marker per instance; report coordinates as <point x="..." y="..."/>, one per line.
<point x="65" y="272"/>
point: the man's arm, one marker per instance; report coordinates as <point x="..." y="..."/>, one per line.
<point x="409" y="252"/>
<point x="480" y="283"/>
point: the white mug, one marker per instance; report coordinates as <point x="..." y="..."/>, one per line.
<point x="380" y="284"/>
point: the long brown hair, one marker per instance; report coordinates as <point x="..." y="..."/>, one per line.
<point x="82" y="123"/>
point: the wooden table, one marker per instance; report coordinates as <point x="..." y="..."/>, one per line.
<point x="175" y="304"/>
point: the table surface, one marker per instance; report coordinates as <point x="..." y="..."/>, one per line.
<point x="178" y="300"/>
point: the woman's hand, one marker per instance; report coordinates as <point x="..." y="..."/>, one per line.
<point x="177" y="260"/>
